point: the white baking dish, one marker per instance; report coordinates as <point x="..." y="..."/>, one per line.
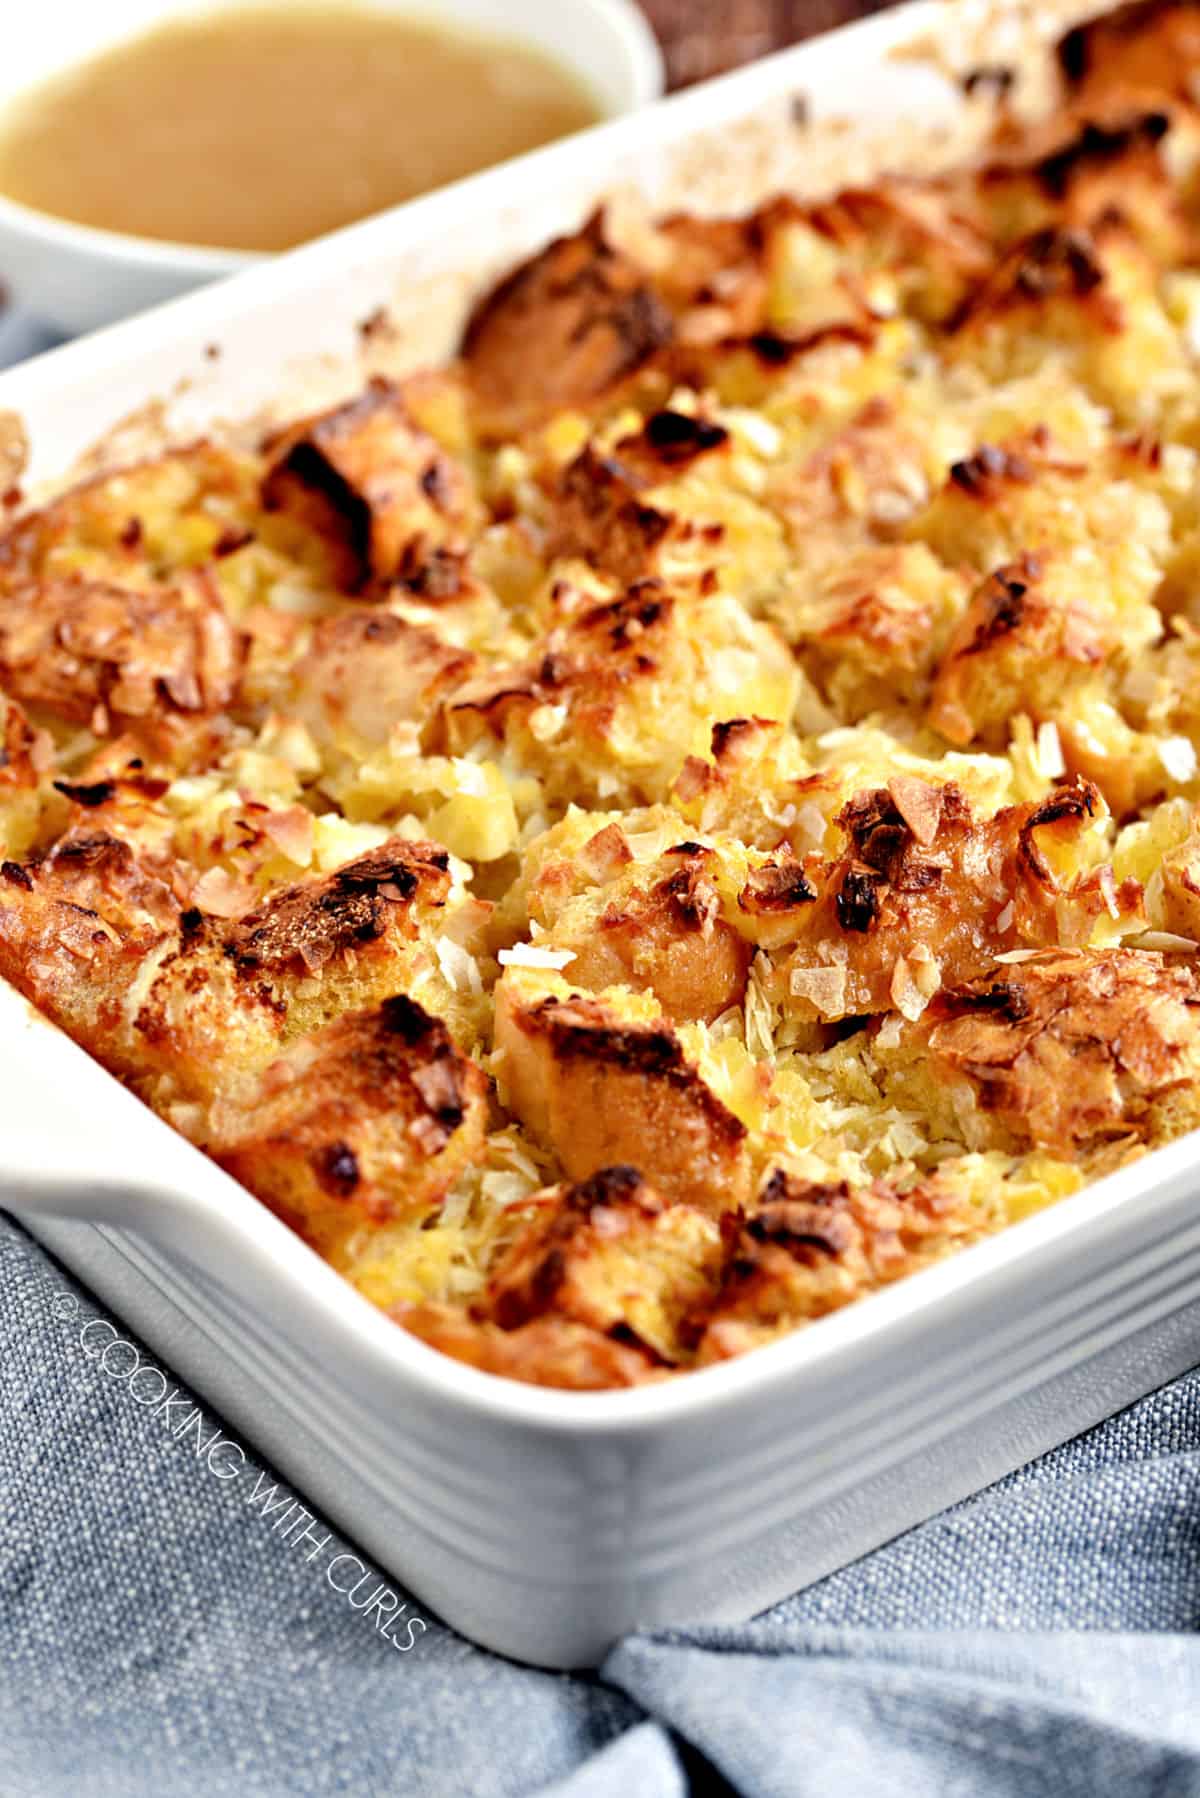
<point x="541" y="1523"/>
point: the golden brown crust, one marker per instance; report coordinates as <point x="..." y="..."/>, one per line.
<point x="367" y="670"/>
<point x="665" y="936"/>
<point x="602" y="512"/>
<point x="1068" y="1048"/>
<point x="609" y="1253"/>
<point x="603" y="1092"/>
<point x="1057" y="263"/>
<point x="302" y="927"/>
<point x="564" y="329"/>
<point x="115" y="514"/>
<point x="194" y="1007"/>
<point x="614" y="691"/>
<point x="807" y="1248"/>
<point x="1023" y="623"/>
<point x="368" y="1120"/>
<point x="97" y="654"/>
<point x="75" y="929"/>
<point x="927" y="894"/>
<point x="367" y="480"/>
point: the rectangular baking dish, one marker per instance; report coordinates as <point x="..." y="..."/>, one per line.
<point x="546" y="1524"/>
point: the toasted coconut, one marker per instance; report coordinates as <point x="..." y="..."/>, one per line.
<point x="900" y="912"/>
<point x="1075" y="1048"/>
<point x="1180" y="903"/>
<point x="873" y="618"/>
<point x="870" y="473"/>
<point x="806" y="1248"/>
<point x="76" y="928"/>
<point x="233" y="992"/>
<point x="91" y="652"/>
<point x="306" y="925"/>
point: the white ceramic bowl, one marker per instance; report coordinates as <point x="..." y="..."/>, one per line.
<point x="78" y="278"/>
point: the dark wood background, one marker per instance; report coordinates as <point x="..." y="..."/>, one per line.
<point x="705" y="37"/>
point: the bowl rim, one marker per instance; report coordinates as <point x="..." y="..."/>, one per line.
<point x="645" y="81"/>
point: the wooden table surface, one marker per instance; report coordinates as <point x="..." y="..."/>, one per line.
<point x="705" y="37"/>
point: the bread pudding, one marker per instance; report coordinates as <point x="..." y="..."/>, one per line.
<point x="645" y="835"/>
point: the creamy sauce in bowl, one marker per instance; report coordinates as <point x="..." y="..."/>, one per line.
<point x="257" y="129"/>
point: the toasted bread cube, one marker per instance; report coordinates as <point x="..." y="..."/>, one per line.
<point x="615" y="695"/>
<point x="611" y="1254"/>
<point x="927" y="894"/>
<point x="658" y="928"/>
<point x="367" y="670"/>
<point x="605" y="1082"/>
<point x="76" y="927"/>
<point x="806" y="1248"/>
<point x="1072" y="1049"/>
<point x="1086" y="297"/>
<point x="564" y="329"/>
<point x="224" y="996"/>
<point x="369" y="1120"/>
<point x="377" y="488"/>
<point x="617" y="509"/>
<point x="156" y="659"/>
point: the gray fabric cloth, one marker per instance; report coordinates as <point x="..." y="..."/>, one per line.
<point x="157" y="1637"/>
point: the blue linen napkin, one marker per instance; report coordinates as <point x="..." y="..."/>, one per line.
<point x="160" y="1636"/>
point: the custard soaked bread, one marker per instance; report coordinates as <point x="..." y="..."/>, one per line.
<point x="642" y="837"/>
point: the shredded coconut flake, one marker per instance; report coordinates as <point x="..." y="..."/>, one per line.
<point x="1165" y="941"/>
<point x="528" y="955"/>
<point x="1051" y="763"/>
<point x="754" y="429"/>
<point x="546" y="722"/>
<point x="459" y="967"/>
<point x="1178" y="757"/>
<point x="823" y="987"/>
<point x="222" y="895"/>
<point x="906" y="992"/>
